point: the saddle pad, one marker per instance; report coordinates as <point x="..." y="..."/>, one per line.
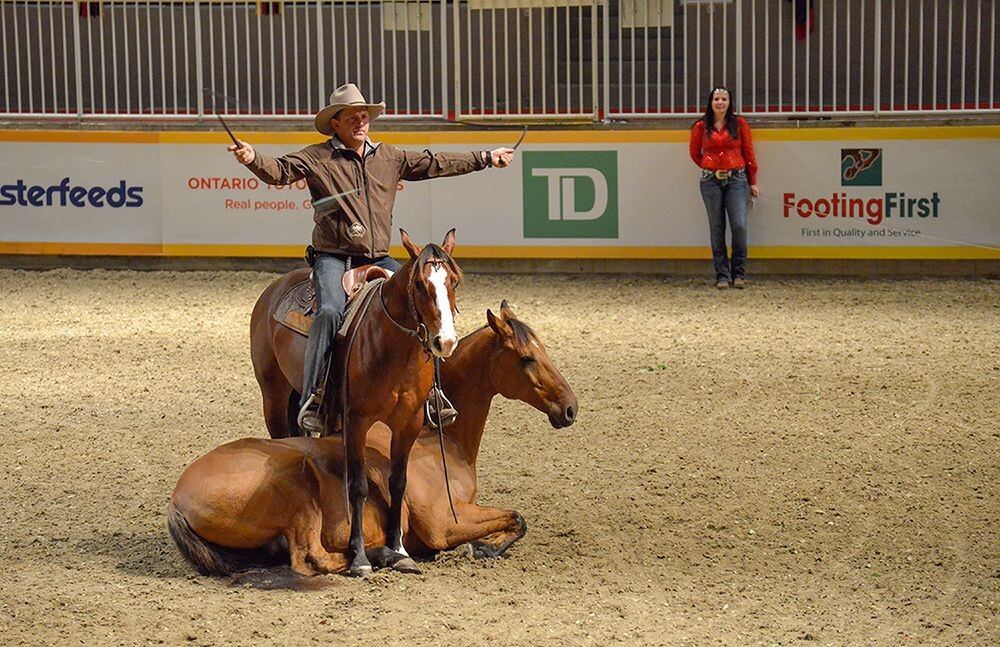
<point x="354" y="304"/>
<point x="296" y="309"/>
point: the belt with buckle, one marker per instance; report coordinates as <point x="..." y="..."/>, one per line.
<point x="722" y="175"/>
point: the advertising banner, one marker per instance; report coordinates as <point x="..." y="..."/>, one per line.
<point x="825" y="193"/>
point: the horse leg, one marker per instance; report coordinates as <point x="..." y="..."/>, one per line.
<point x="489" y="532"/>
<point x="297" y="536"/>
<point x="275" y="391"/>
<point x="399" y="452"/>
<point x="274" y="388"/>
<point x="385" y="557"/>
<point x="399" y="455"/>
<point x="291" y="413"/>
<point x="496" y="544"/>
<point x="357" y="494"/>
<point x="279" y="422"/>
<point x="308" y="556"/>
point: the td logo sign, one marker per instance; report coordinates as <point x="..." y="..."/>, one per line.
<point x="570" y="194"/>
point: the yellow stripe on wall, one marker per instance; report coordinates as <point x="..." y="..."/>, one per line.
<point x="237" y="251"/>
<point x="869" y="134"/>
<point x="698" y="253"/>
<point x="81" y="249"/>
<point x="876" y="253"/>
<point x="80" y="136"/>
<point x="501" y="137"/>
<point x="511" y="252"/>
<point x="301" y="139"/>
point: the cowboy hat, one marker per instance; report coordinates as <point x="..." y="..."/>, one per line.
<point x="346" y="96"/>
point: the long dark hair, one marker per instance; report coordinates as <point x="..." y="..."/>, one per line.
<point x="709" y="119"/>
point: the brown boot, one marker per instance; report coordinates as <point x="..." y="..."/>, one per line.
<point x="308" y="419"/>
<point x="432" y="414"/>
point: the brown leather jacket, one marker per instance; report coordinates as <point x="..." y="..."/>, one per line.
<point x="362" y="226"/>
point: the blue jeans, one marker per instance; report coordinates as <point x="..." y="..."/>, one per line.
<point x="727" y="198"/>
<point x="331" y="301"/>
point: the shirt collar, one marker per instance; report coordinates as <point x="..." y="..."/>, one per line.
<point x="369" y="148"/>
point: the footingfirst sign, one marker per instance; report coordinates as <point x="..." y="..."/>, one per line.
<point x="862" y="199"/>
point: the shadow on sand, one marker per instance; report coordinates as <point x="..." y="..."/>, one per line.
<point x="152" y="554"/>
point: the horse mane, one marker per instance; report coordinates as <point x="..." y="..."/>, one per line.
<point x="523" y="334"/>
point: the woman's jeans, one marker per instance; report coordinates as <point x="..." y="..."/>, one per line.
<point x="331" y="301"/>
<point x="727" y="198"/>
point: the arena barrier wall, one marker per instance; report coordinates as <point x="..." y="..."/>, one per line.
<point x="837" y="193"/>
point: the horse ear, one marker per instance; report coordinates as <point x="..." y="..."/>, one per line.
<point x="505" y="310"/>
<point x="411" y="249"/>
<point x="449" y="241"/>
<point x="498" y="325"/>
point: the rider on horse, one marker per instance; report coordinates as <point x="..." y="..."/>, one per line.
<point x="362" y="177"/>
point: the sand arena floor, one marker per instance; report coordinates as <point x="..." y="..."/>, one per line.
<point x="805" y="462"/>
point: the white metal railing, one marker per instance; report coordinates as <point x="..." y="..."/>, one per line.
<point x="850" y="58"/>
<point x="527" y="58"/>
<point x="496" y="59"/>
<point x="178" y="58"/>
<point x="286" y="64"/>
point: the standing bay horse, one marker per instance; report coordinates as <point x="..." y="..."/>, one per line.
<point x="233" y="507"/>
<point x="381" y="371"/>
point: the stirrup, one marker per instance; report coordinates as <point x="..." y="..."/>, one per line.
<point x="308" y="420"/>
<point x="447" y="413"/>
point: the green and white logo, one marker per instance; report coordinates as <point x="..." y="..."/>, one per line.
<point x="570" y="194"/>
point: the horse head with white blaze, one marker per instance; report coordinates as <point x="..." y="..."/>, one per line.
<point x="436" y="275"/>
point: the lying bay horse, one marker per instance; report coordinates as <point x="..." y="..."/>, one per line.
<point x="381" y="371"/>
<point x="233" y="507"/>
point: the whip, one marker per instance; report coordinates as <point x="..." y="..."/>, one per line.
<point x="221" y="120"/>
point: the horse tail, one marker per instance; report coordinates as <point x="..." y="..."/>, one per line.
<point x="208" y="558"/>
<point x="263" y="568"/>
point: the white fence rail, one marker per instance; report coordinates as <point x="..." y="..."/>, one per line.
<point x="808" y="58"/>
<point x="496" y="59"/>
<point x="527" y="58"/>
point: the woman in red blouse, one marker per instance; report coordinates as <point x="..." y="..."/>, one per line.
<point x="721" y="146"/>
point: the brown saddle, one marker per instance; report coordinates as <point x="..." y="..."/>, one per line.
<point x="297" y="306"/>
<point x="354" y="279"/>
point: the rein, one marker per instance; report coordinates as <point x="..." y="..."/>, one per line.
<point x="440" y="428"/>
<point x="420" y="332"/>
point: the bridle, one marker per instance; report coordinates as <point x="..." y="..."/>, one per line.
<point x="420" y="329"/>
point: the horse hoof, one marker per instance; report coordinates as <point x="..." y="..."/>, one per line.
<point x="359" y="571"/>
<point x="481" y="550"/>
<point x="407" y="565"/>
